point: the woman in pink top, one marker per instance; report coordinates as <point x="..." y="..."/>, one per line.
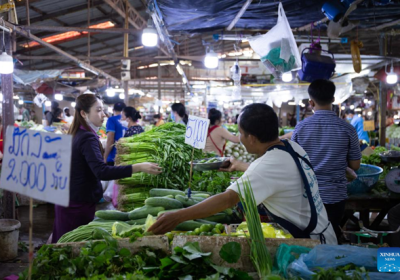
<point x="217" y="135"/>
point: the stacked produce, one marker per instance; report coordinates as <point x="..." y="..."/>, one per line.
<point x="164" y="145"/>
<point x="232" y="128"/>
<point x="213" y="181"/>
<point x="239" y="152"/>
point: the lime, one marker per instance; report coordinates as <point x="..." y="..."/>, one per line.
<point x="203" y="234"/>
<point x="220" y="227"/>
<point x="189" y="233"/>
<point x="182" y="233"/>
<point x="216" y="231"/>
<point x="170" y="236"/>
<point x="197" y="231"/>
<point x="209" y="233"/>
<point x="204" y="228"/>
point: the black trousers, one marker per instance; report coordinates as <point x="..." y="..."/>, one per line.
<point x="335" y="214"/>
<point x="394" y="223"/>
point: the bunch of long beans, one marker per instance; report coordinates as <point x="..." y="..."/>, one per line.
<point x="259" y="251"/>
<point x="164" y="145"/>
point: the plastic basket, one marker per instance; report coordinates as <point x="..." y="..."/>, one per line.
<point x="367" y="177"/>
<point x="288" y="130"/>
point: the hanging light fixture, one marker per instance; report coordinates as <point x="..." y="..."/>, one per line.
<point x="122" y="96"/>
<point x="20" y="102"/>
<point x="47" y="103"/>
<point x="149" y="35"/>
<point x="110" y="92"/>
<point x="287" y="77"/>
<point x="391" y="77"/>
<point x="73" y="104"/>
<point x="211" y="60"/>
<point x="58" y="96"/>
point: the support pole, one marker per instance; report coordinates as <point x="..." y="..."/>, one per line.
<point x="126" y="51"/>
<point x="8" y="120"/>
<point x="382" y="104"/>
<point x="159" y="85"/>
<point x="88" y="25"/>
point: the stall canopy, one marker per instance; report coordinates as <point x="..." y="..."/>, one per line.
<point x="206" y="15"/>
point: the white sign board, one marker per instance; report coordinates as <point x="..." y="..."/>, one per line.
<point x="37" y="164"/>
<point x="197" y="131"/>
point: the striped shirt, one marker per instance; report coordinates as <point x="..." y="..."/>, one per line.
<point x="330" y="142"/>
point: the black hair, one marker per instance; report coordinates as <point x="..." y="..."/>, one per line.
<point x="260" y="121"/>
<point x="132" y="113"/>
<point x="236" y="118"/>
<point x="349" y="111"/>
<point x="214" y="115"/>
<point x="157" y="116"/>
<point x="54" y="106"/>
<point x="181" y="110"/>
<point x="322" y="91"/>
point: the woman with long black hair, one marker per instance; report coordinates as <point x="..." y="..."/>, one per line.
<point x="88" y="167"/>
<point x="178" y="113"/>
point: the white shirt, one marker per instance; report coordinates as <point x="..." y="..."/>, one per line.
<point x="68" y="119"/>
<point x="277" y="183"/>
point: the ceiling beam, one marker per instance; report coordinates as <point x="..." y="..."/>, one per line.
<point x="239" y="15"/>
<point x="79" y="29"/>
<point x="43" y="14"/>
<point x="61" y="52"/>
<point x="46" y="16"/>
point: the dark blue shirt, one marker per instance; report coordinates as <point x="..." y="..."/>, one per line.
<point x="133" y="130"/>
<point x="88" y="168"/>
<point x="114" y="125"/>
<point x="330" y="142"/>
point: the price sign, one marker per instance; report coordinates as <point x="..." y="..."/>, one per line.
<point x="369" y="125"/>
<point x="196" y="132"/>
<point x="37" y="164"/>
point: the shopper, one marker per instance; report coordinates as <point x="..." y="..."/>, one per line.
<point x="217" y="135"/>
<point x="55" y="115"/>
<point x="115" y="131"/>
<point x="358" y="123"/>
<point x="332" y="145"/>
<point x="67" y="116"/>
<point x="178" y="113"/>
<point x="158" y="119"/>
<point x="132" y="116"/>
<point x="275" y="178"/>
<point x="88" y="167"/>
<point x="26" y="115"/>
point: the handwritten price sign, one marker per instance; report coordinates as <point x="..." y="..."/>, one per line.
<point x="37" y="164"/>
<point x="196" y="132"/>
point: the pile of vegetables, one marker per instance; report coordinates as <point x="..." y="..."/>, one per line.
<point x="106" y="260"/>
<point x="239" y="152"/>
<point x="375" y="159"/>
<point x="393" y="131"/>
<point x="164" y="145"/>
<point x="213" y="181"/>
<point x="232" y="128"/>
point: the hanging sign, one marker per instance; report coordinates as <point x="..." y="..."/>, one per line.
<point x="196" y="132"/>
<point x="369" y="125"/>
<point x="37" y="164"/>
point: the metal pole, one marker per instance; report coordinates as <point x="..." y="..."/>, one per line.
<point x="159" y="85"/>
<point x="382" y="104"/>
<point x="79" y="29"/>
<point x="88" y="25"/>
<point x="126" y="50"/>
<point x="239" y="14"/>
<point x="8" y="120"/>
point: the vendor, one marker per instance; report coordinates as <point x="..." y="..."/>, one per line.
<point x="332" y="145"/>
<point x="358" y="123"/>
<point x="275" y="178"/>
<point x="67" y="116"/>
<point x="217" y="135"/>
<point x="88" y="168"/>
<point x="178" y="113"/>
<point x="158" y="120"/>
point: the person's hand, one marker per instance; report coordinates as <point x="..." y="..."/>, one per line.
<point x="165" y="223"/>
<point x="147" y="167"/>
<point x="235" y="165"/>
<point x="350" y="174"/>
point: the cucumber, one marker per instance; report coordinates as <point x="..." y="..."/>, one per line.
<point x="100" y="233"/>
<point x="228" y="211"/>
<point x="206" y="222"/>
<point x="189" y="225"/>
<point x="202" y="195"/>
<point x="187" y="202"/>
<point x="218" y="218"/>
<point x="144" y="211"/>
<point x="164" y="192"/>
<point x="137" y="222"/>
<point x="112" y="215"/>
<point x="169" y="196"/>
<point x="198" y="199"/>
<point x="166" y="211"/>
<point x="104" y="221"/>
<point x="167" y="203"/>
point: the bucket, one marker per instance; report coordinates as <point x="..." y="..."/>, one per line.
<point x="9" y="233"/>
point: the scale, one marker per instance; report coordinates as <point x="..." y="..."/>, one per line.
<point x="392" y="179"/>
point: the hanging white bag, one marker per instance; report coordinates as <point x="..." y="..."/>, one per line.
<point x="277" y="48"/>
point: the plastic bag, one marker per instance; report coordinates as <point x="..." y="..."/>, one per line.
<point x="285" y="255"/>
<point x="277" y="48"/>
<point x="108" y="187"/>
<point x="331" y="256"/>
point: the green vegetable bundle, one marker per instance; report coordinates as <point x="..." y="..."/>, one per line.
<point x="164" y="145"/>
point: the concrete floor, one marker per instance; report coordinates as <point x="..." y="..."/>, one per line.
<point x="43" y="218"/>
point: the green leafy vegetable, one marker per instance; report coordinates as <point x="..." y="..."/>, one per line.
<point x="231" y="252"/>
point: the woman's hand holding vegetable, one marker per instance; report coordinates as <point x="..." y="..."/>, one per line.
<point x="165" y="223"/>
<point x="147" y="167"/>
<point x="235" y="165"/>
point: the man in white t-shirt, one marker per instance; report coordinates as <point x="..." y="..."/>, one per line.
<point x="275" y="178"/>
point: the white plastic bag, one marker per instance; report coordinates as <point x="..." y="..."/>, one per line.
<point x="280" y="36"/>
<point x="108" y="193"/>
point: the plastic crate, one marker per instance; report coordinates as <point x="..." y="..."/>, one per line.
<point x="367" y="177"/>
